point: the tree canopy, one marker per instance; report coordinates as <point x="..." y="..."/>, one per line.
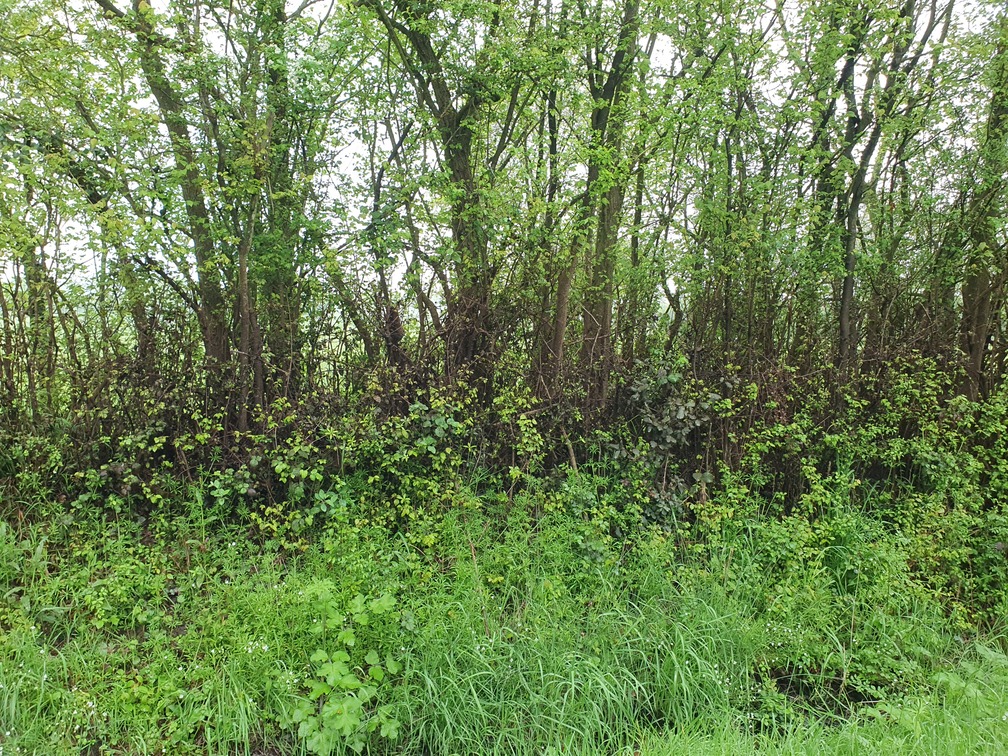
<point x="211" y="209"/>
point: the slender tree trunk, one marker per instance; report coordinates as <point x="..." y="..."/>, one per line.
<point x="608" y="93"/>
<point x="212" y="311"/>
<point x="986" y="207"/>
<point x="246" y="348"/>
<point x="7" y="370"/>
<point x="552" y="334"/>
<point x="597" y="346"/>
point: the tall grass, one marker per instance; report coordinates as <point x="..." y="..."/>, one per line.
<point x="517" y="635"/>
<point x="966" y="712"/>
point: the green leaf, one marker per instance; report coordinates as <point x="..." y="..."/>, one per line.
<point x="321" y="742"/>
<point x="333" y="670"/>
<point x="301" y="712"/>
<point x="390" y="728"/>
<point x="349" y="682"/>
<point x="383" y="604"/>
<point x="347" y="637"/>
<point x="343" y="715"/>
<point x="317" y="689"/>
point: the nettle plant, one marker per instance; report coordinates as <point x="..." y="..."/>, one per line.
<point x="341" y="706"/>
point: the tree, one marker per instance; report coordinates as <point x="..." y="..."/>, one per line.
<point x="983" y="287"/>
<point x="459" y="96"/>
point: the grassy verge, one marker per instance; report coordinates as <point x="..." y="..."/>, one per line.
<point x="966" y="712"/>
<point x="492" y="630"/>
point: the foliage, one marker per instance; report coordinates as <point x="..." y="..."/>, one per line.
<point x="517" y="626"/>
<point x="344" y="688"/>
<point x="400" y="377"/>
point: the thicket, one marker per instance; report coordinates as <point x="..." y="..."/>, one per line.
<point x="411" y="582"/>
<point x="597" y="371"/>
<point x="696" y="459"/>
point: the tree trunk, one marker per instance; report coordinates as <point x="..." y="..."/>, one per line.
<point x="986" y="207"/>
<point x="608" y="94"/>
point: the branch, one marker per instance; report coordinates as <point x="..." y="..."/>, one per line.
<point x="151" y="266"/>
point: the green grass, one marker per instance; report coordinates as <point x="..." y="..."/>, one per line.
<point x="510" y="634"/>
<point x="965" y="713"/>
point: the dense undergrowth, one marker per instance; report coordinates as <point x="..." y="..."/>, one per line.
<point x="726" y="571"/>
<point x="501" y="627"/>
<point x="515" y="378"/>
